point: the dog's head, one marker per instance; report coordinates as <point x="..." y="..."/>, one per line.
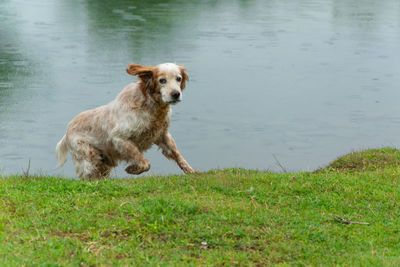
<point x="163" y="82"/>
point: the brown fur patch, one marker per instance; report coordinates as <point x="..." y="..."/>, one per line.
<point x="148" y="79"/>
<point x="141" y="71"/>
<point x="185" y="77"/>
<point x="158" y="125"/>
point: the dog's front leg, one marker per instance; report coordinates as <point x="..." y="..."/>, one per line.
<point x="170" y="150"/>
<point x="137" y="163"/>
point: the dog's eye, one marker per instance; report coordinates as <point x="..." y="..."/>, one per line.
<point x="162" y="80"/>
<point x="178" y="79"/>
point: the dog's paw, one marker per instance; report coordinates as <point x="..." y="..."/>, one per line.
<point x="138" y="169"/>
<point x="189" y="169"/>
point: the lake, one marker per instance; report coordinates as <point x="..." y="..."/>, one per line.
<point x="294" y="82"/>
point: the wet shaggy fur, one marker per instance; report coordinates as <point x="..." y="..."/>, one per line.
<point x="99" y="139"/>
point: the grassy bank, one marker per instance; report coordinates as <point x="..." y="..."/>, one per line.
<point x="232" y="216"/>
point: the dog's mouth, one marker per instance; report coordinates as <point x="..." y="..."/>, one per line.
<point x="173" y="102"/>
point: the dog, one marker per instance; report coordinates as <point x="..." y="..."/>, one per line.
<point x="99" y="139"/>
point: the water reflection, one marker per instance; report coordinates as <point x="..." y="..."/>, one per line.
<point x="302" y="80"/>
<point x="12" y="62"/>
<point x="365" y="15"/>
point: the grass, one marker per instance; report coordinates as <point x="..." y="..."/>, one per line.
<point x="367" y="160"/>
<point x="222" y="217"/>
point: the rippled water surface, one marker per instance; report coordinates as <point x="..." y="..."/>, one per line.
<point x="301" y="81"/>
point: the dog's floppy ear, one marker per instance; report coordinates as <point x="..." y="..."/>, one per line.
<point x="145" y="73"/>
<point x="185" y="77"/>
<point x="141" y="71"/>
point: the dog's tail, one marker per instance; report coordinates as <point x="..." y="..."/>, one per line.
<point x="62" y="152"/>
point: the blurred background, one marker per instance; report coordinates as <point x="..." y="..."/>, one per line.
<point x="301" y="82"/>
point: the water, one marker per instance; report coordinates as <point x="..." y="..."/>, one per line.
<point x="301" y="81"/>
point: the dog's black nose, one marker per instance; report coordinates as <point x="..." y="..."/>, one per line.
<point x="175" y="94"/>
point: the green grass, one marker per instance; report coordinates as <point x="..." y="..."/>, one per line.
<point x="246" y="218"/>
<point x="367" y="160"/>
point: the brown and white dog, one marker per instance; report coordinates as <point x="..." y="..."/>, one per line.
<point x="98" y="139"/>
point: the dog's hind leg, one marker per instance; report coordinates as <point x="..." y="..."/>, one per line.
<point x="89" y="162"/>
